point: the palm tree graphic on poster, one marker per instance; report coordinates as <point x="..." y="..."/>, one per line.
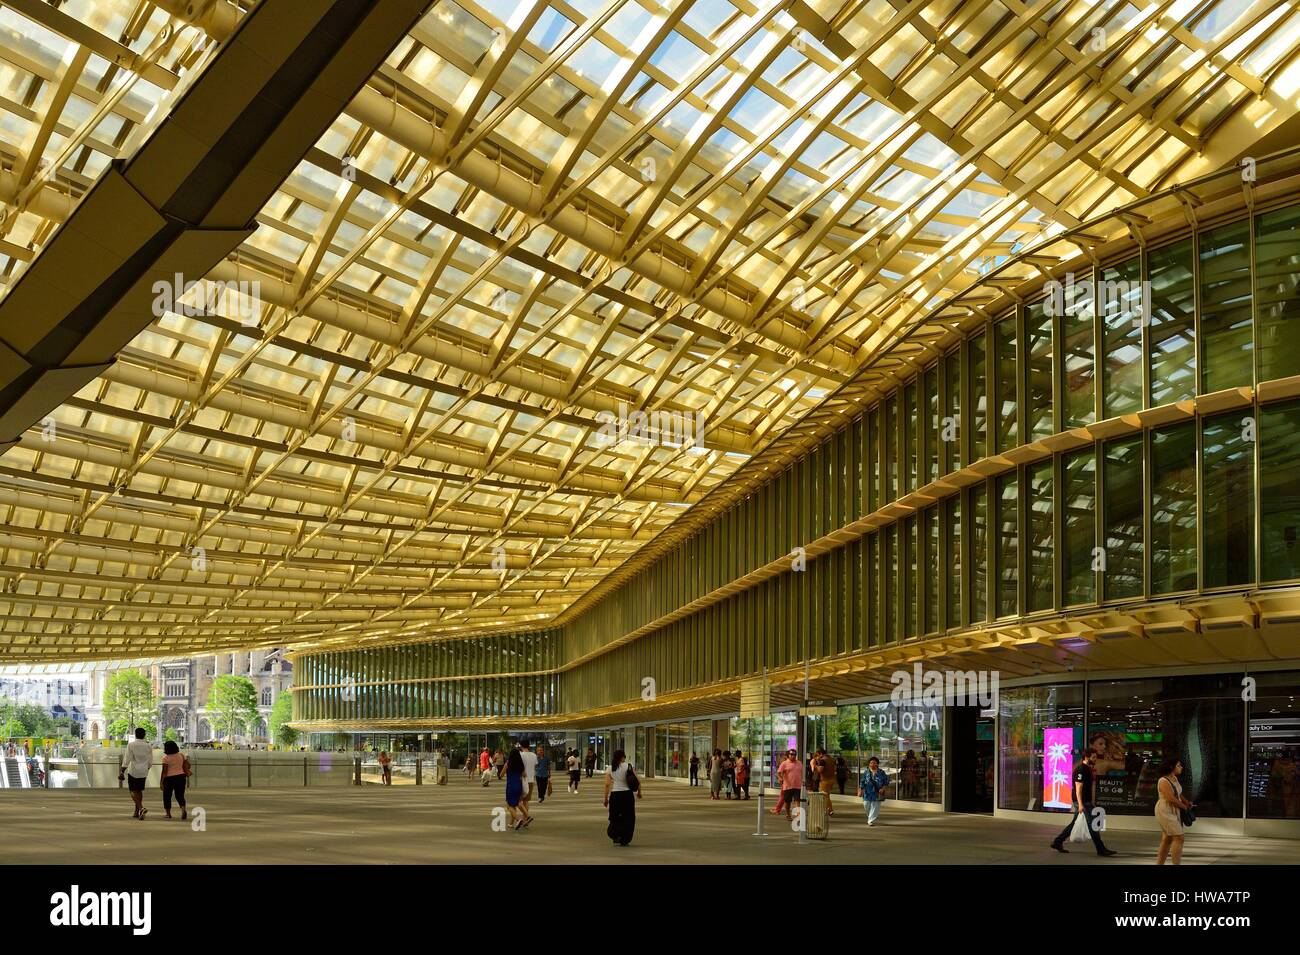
<point x="1057" y="747"/>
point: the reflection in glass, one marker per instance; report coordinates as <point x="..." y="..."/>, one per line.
<point x="1173" y="509"/>
<point x="1004" y="357"/>
<point x="1038" y="539"/>
<point x="1078" y="527"/>
<point x="1077" y="352"/>
<point x="1122" y="529"/>
<point x="931" y="426"/>
<point x="1038" y="373"/>
<point x="950" y="423"/>
<point x="1172" y="335"/>
<point x="1008" y="545"/>
<point x="979" y="412"/>
<point x="979" y="580"/>
<point x="1228" y="500"/>
<point x="1120" y="300"/>
<point x="952" y="563"/>
<point x="1277" y="293"/>
<point x="1279" y="505"/>
<point x="1227" y="359"/>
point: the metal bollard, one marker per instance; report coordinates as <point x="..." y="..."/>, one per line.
<point x="304" y="770"/>
<point x="419" y="772"/>
<point x="250" y="772"/>
<point x="357" y="762"/>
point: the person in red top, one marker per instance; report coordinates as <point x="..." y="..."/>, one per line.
<point x="790" y="773"/>
<point x="485" y="765"/>
<point x="742" y="775"/>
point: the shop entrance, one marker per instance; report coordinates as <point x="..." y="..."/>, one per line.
<point x="970" y="759"/>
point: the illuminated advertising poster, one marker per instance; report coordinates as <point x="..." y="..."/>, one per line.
<point x="1057" y="766"/>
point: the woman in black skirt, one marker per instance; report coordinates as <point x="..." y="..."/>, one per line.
<point x="622" y="790"/>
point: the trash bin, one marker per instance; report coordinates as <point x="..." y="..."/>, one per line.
<point x="818" y="822"/>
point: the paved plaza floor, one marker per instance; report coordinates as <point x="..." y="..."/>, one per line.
<point x="453" y="824"/>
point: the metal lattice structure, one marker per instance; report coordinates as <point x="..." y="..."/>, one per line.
<point x="386" y="413"/>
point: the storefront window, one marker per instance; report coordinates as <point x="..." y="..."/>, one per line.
<point x="842" y="743"/>
<point x="1041" y="738"/>
<point x="1134" y="725"/>
<point x="909" y="743"/>
<point x="1273" y="773"/>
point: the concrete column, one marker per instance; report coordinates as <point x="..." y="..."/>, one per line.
<point x="222" y="665"/>
<point x="239" y="663"/>
<point x="256" y="660"/>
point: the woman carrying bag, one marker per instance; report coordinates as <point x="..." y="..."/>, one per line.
<point x="1173" y="812"/>
<point x="622" y="790"/>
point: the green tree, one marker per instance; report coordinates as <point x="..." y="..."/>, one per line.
<point x="12" y="728"/>
<point x="36" y="719"/>
<point x="130" y="702"/>
<point x="232" y="701"/>
<point x="170" y="734"/>
<point x="281" y="713"/>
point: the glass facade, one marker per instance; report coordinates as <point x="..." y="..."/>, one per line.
<point x="1173" y="505"/>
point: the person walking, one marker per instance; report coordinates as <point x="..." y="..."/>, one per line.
<point x="1084" y="796"/>
<point x="715" y="775"/>
<point x="530" y="774"/>
<point x="543" y="773"/>
<point x="790" y="774"/>
<point x="1170" y="806"/>
<point x="471" y="764"/>
<point x="514" y="773"/>
<point x="622" y="790"/>
<point x="742" y="775"/>
<point x="695" y="769"/>
<point x="728" y="773"/>
<point x="591" y="761"/>
<point x="175" y="771"/>
<point x="485" y="765"/>
<point x="841" y="772"/>
<point x="385" y="768"/>
<point x="574" y="765"/>
<point x="136" y="763"/>
<point x="499" y="761"/>
<point x="871" y="787"/>
<point x="824" y="767"/>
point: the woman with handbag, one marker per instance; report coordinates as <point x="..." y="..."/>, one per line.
<point x="1173" y="812"/>
<point x="175" y="772"/>
<point x="622" y="790"/>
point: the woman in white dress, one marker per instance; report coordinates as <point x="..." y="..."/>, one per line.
<point x="1169" y="803"/>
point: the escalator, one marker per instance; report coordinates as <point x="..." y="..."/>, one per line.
<point x="14" y="777"/>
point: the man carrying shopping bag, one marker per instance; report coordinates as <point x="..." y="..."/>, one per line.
<point x="1085" y="800"/>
